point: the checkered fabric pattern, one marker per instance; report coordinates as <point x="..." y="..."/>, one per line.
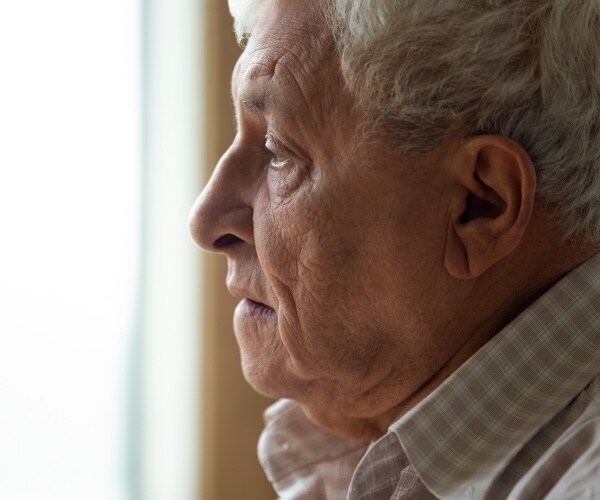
<point x="302" y="460"/>
<point x="519" y="420"/>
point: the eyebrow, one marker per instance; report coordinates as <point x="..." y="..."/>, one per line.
<point x="256" y="104"/>
<point x="260" y="104"/>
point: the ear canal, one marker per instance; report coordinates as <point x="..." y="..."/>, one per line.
<point x="489" y="206"/>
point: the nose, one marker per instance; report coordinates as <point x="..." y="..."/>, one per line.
<point x="221" y="217"/>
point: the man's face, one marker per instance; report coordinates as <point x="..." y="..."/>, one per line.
<point x="334" y="243"/>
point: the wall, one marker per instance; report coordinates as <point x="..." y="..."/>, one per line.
<point x="231" y="411"/>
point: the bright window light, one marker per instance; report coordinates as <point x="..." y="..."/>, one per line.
<point x="69" y="197"/>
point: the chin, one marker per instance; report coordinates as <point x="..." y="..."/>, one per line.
<point x="272" y="379"/>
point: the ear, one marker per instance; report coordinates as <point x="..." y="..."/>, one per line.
<point x="491" y="208"/>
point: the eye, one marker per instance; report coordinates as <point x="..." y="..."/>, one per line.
<point x="277" y="160"/>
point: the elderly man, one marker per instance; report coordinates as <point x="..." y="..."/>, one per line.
<point x="411" y="214"/>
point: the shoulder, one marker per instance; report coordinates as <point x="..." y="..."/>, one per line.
<point x="570" y="469"/>
<point x="579" y="464"/>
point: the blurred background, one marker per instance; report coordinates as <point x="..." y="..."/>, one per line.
<point x="119" y="372"/>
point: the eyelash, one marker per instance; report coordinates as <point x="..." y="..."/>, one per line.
<point x="276" y="161"/>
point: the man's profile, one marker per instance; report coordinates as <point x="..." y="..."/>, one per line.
<point x="410" y="211"/>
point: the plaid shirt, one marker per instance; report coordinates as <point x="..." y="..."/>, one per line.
<point x="519" y="420"/>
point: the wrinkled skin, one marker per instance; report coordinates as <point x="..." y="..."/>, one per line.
<point x="344" y="245"/>
<point x="341" y="240"/>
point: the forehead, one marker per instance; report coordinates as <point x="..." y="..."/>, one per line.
<point x="290" y="54"/>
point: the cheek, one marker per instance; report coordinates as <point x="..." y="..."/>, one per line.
<point x="309" y="265"/>
<point x="346" y="276"/>
<point x="306" y="249"/>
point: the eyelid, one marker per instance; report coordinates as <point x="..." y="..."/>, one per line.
<point x="273" y="144"/>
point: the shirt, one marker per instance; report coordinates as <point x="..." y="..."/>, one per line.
<point x="519" y="420"/>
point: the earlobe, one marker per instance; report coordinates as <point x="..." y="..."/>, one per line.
<point x="492" y="206"/>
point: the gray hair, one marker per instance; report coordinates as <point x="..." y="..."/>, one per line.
<point x="528" y="70"/>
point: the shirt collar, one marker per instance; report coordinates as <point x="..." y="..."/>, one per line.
<point x="462" y="435"/>
<point x="290" y="443"/>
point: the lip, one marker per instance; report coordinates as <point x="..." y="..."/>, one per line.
<point x="243" y="293"/>
<point x="251" y="309"/>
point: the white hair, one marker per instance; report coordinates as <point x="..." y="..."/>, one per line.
<point x="245" y="14"/>
<point x="423" y="70"/>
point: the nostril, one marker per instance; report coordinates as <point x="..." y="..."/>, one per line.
<point x="226" y="240"/>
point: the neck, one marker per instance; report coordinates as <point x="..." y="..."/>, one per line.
<point x="507" y="290"/>
<point x="483" y="307"/>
